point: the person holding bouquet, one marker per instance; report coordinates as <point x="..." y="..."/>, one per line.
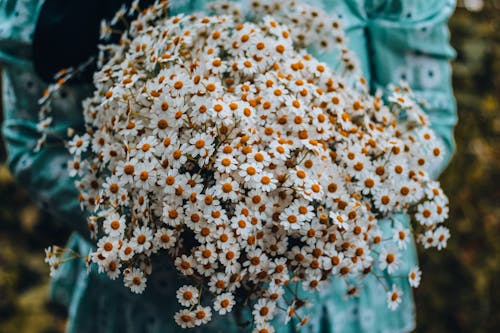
<point x="394" y="40"/>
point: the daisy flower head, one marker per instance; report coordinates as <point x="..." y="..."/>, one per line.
<point x="218" y="283"/>
<point x="185" y="318"/>
<point x="221" y="113"/>
<point x="142" y="239"/>
<point x="442" y="209"/>
<point x="313" y="281"/>
<point x="114" y="225"/>
<point x="290" y="219"/>
<point x="185" y="264"/>
<point x="280" y="149"/>
<point x="135" y="280"/>
<point x="202" y="315"/>
<point x="229" y="256"/>
<point x="340" y="219"/>
<point x="256" y="261"/>
<point x="226" y="188"/>
<point x="206" y="254"/>
<point x="433" y="189"/>
<point x="176" y="155"/>
<point x="125" y="170"/>
<point x="385" y="200"/>
<point x="265" y="182"/>
<point x="187" y="295"/>
<point x="414" y="276"/>
<point x="264" y="328"/>
<point x="172" y="179"/>
<point x="146" y="148"/>
<point x="114" y="187"/>
<point x="441" y="235"/>
<point x="427" y="213"/>
<point x="75" y="167"/>
<point x="313" y="190"/>
<point x="165" y="238"/>
<point x="126" y="251"/>
<point x="180" y="84"/>
<point x="173" y="215"/>
<point x="226" y="163"/>
<point x="79" y="144"/>
<point x="401" y="236"/>
<point x="53" y="262"/>
<point x="107" y="248"/>
<point x="429" y="239"/>
<point x="113" y="269"/>
<point x="105" y="30"/>
<point x="389" y="258"/>
<point x="224" y="303"/>
<point x="250" y="171"/>
<point x="145" y="175"/>
<point x="201" y="145"/>
<point x="263" y="310"/>
<point x="394" y="297"/>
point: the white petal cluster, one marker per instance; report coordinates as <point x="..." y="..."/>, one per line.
<point x="251" y="163"/>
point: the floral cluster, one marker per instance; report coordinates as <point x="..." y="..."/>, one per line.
<point x="222" y="142"/>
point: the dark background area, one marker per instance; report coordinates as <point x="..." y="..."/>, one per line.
<point x="460" y="289"/>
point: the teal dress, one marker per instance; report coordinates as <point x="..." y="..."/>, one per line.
<point x="394" y="40"/>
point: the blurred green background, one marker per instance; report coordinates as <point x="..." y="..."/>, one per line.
<point x="460" y="289"/>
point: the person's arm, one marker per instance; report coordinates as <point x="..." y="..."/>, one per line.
<point x="409" y="40"/>
<point x="44" y="172"/>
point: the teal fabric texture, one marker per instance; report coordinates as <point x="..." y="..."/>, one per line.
<point x="393" y="39"/>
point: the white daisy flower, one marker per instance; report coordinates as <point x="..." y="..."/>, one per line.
<point x="126" y="251"/>
<point x="145" y="175"/>
<point x="201" y="145"/>
<point x="249" y="171"/>
<point x="206" y="254"/>
<point x="265" y="182"/>
<point x="394" y="297"/>
<point x="187" y="295"/>
<point x="264" y="328"/>
<point x="218" y="283"/>
<point x="79" y="144"/>
<point x="441" y="234"/>
<point x="114" y="225"/>
<point x="165" y="238"/>
<point x="135" y="280"/>
<point x="401" y="236"/>
<point x="263" y="310"/>
<point x="389" y="258"/>
<point x="224" y="303"/>
<point x="226" y="189"/>
<point x="226" y="163"/>
<point x="202" y="314"/>
<point x="142" y="239"/>
<point x="185" y="264"/>
<point x="414" y="276"/>
<point x="185" y="318"/>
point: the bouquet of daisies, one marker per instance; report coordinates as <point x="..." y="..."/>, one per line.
<point x="220" y="141"/>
